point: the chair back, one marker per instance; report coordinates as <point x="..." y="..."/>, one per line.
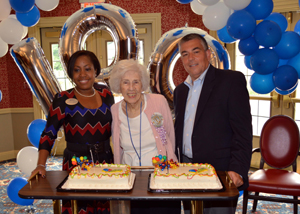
<point x="279" y="141"/>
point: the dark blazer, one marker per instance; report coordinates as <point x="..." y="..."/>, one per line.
<point x="222" y="134"/>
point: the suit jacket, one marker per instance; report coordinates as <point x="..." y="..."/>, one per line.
<point x="222" y="134"/>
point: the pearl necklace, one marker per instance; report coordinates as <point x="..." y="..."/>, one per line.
<point x="86" y="95"/>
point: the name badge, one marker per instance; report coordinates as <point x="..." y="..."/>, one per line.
<point x="71" y="101"/>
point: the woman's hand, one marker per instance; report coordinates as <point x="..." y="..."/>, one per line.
<point x="40" y="169"/>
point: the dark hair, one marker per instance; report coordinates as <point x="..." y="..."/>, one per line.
<point x="191" y="36"/>
<point x="77" y="54"/>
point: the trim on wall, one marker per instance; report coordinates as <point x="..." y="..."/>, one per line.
<point x="16" y="110"/>
<point x="8" y="155"/>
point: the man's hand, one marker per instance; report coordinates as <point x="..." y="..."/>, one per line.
<point x="236" y="178"/>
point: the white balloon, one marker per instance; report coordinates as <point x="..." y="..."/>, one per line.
<point x="46" y="5"/>
<point x="27" y="159"/>
<point x="11" y="31"/>
<point x="25" y="29"/>
<point x="197" y="7"/>
<point x="5" y="9"/>
<point x="3" y="48"/>
<point x="237" y="4"/>
<point x="209" y="2"/>
<point x="215" y="17"/>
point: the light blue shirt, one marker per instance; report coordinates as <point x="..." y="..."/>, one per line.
<point x="190" y="111"/>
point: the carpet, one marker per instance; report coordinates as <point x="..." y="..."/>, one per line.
<point x="10" y="170"/>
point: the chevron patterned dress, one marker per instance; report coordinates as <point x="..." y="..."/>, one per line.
<point x="84" y="128"/>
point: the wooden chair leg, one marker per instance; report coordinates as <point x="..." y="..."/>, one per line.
<point x="255" y="202"/>
<point x="295" y="205"/>
<point x="245" y="201"/>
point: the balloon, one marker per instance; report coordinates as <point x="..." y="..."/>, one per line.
<point x="30" y="18"/>
<point x="13" y="187"/>
<point x="209" y="2"/>
<point x="267" y="33"/>
<point x="285" y="77"/>
<point x="11" y="31"/>
<point x="237" y="4"/>
<point x="241" y="24"/>
<point x="36" y="70"/>
<point x="262" y="84"/>
<point x="184" y="1"/>
<point x="295" y="63"/>
<point x="3" y="48"/>
<point x="22" y="6"/>
<point x="25" y="29"/>
<point x="224" y="36"/>
<point x="104" y="16"/>
<point x="215" y="17"/>
<point x="260" y="9"/>
<point x="289" y="45"/>
<point x="282" y="62"/>
<point x="34" y="131"/>
<point x="46" y="5"/>
<point x="166" y="54"/>
<point x="286" y="92"/>
<point x="264" y="61"/>
<point x="247" y="61"/>
<point x="27" y="159"/>
<point x="279" y="19"/>
<point x="4" y="9"/>
<point x="0" y="95"/>
<point x="297" y="27"/>
<point x="197" y="7"/>
<point x="248" y="46"/>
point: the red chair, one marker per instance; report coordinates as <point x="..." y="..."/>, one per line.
<point x="279" y="148"/>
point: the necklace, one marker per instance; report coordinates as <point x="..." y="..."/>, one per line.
<point x="139" y="156"/>
<point x="86" y="95"/>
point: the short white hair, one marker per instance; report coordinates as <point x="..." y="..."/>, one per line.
<point x="121" y="68"/>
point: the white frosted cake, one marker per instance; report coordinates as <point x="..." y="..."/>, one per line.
<point x="186" y="176"/>
<point x="101" y="176"/>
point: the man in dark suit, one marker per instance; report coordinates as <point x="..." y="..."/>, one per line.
<point x="213" y="118"/>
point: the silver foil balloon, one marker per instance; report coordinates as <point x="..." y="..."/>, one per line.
<point x="103" y="16"/>
<point x="36" y="70"/>
<point x="166" y="54"/>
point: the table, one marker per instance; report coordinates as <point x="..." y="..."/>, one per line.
<point x="45" y="188"/>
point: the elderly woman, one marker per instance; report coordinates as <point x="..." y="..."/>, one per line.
<point x="142" y="124"/>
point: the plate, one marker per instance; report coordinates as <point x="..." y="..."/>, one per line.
<point x="63" y="187"/>
<point x="153" y="188"/>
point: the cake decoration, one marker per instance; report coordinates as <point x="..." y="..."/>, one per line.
<point x="162" y="162"/>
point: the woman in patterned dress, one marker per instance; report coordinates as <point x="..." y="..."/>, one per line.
<point x="84" y="112"/>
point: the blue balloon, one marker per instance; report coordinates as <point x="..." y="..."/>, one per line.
<point x="289" y="45"/>
<point x="286" y="92"/>
<point x="30" y="18"/>
<point x="240" y="24"/>
<point x="279" y="19"/>
<point x="248" y="46"/>
<point x="297" y="27"/>
<point x="282" y="62"/>
<point x="285" y="77"/>
<point x="224" y="36"/>
<point x="260" y="9"/>
<point x="262" y="84"/>
<point x="184" y="1"/>
<point x="22" y="6"/>
<point x="264" y="61"/>
<point x="267" y="33"/>
<point x="247" y="62"/>
<point x="14" y="186"/>
<point x="295" y="63"/>
<point x="0" y="95"/>
<point x="35" y="130"/>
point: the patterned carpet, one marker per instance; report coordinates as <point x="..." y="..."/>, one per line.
<point x="10" y="170"/>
